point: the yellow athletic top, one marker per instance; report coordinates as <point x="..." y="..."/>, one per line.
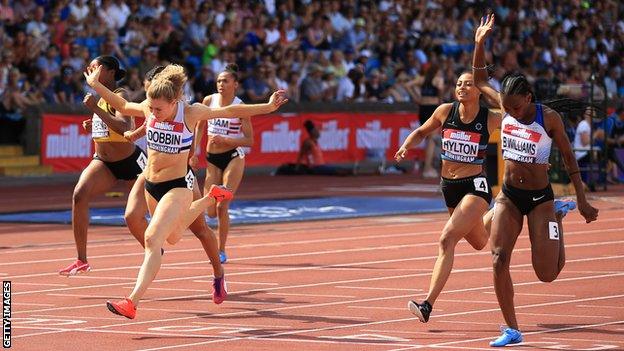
<point x="100" y="131"/>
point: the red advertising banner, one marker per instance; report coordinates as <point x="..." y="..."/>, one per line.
<point x="344" y="137"/>
<point x="65" y="145"/>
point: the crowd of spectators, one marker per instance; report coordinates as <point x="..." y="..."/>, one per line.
<point x="317" y="50"/>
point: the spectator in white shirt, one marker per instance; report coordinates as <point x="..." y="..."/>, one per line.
<point x="272" y="33"/>
<point x="37" y="27"/>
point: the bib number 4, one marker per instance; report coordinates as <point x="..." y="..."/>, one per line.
<point x="480" y="184"/>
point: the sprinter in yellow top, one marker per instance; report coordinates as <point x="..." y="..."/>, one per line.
<point x="115" y="159"/>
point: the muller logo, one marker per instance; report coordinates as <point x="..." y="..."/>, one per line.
<point x="280" y="139"/>
<point x="523" y="133"/>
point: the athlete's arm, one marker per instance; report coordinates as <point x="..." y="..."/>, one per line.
<point x="117" y="123"/>
<point x="494" y="120"/>
<point x="199" y="112"/>
<point x="434" y="122"/>
<point x="246" y="140"/>
<point x="479" y="67"/>
<point x="554" y="123"/>
<point x="116" y="101"/>
<point x="134" y="135"/>
<point x="201" y="126"/>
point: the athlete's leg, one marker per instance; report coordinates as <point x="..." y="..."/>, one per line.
<point x="95" y="180"/>
<point x="213" y="177"/>
<point x="463" y="221"/>
<point x="136" y="208"/>
<point x="207" y="238"/>
<point x="487" y="220"/>
<point x="506" y="226"/>
<point x="166" y="215"/>
<point x="547" y="248"/>
<point x="232" y="177"/>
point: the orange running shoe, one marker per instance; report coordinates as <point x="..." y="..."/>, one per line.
<point x="220" y="193"/>
<point x="220" y="290"/>
<point x="123" y="307"/>
<point x="75" y="268"/>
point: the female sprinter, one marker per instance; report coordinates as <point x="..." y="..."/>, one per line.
<point x="168" y="182"/>
<point x="224" y="149"/>
<point x="466" y="128"/>
<point x="115" y="159"/>
<point x="199" y="227"/>
<point x="527" y="132"/>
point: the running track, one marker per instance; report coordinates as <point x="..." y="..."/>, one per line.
<point x="331" y="285"/>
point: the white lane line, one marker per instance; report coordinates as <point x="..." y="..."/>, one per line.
<point x="400" y="320"/>
<point x="312" y="295"/>
<point x="37" y="284"/>
<point x="565" y="315"/>
<point x="374" y="288"/>
<point x="552" y="330"/>
<point x="231" y="282"/>
<point x="407" y="332"/>
<point x="581" y="340"/>
<point x="32" y="304"/>
<point x="535" y="294"/>
<point x="361" y="280"/>
<point x="598" y="306"/>
<point x="365" y="307"/>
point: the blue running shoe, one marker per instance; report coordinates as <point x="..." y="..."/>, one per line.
<point x="563" y="206"/>
<point x="222" y="256"/>
<point x="509" y="336"/>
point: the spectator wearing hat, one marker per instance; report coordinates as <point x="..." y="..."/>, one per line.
<point x="312" y="84"/>
<point x="68" y="90"/>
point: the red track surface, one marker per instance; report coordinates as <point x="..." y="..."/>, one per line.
<point x="331" y="285"/>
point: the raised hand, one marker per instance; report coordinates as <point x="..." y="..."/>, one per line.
<point x="484" y="29"/>
<point x="278" y="99"/>
<point x="92" y="75"/>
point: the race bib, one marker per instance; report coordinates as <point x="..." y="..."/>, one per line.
<point x="480" y="184"/>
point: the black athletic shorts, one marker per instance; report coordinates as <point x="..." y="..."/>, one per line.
<point x="454" y="190"/>
<point x="526" y="200"/>
<point x="130" y="167"/>
<point x="158" y="190"/>
<point x="223" y="159"/>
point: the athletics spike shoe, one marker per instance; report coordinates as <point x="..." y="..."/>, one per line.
<point x="220" y="290"/>
<point x="508" y="336"/>
<point x="222" y="256"/>
<point x="563" y="206"/>
<point x="123" y="307"/>
<point x="220" y="193"/>
<point x="75" y="268"/>
<point x="422" y="311"/>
